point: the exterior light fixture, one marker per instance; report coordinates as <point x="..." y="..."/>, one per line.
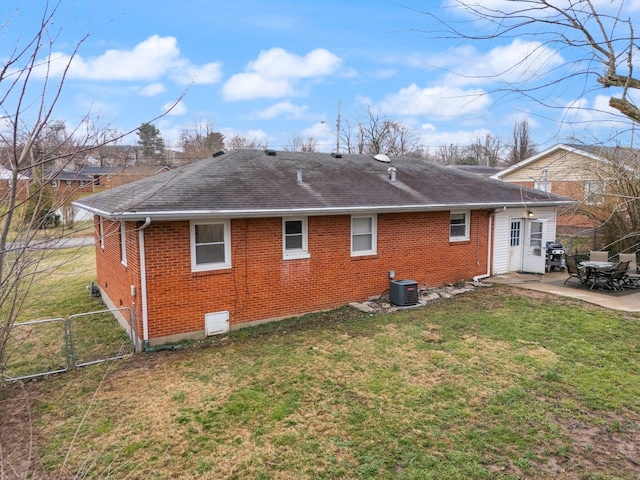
<point x="529" y="214"/>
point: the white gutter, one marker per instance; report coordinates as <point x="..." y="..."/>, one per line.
<point x="277" y="212"/>
<point x="143" y="284"/>
<point x="489" y="247"/>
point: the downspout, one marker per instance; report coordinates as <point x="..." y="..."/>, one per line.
<point x="143" y="284"/>
<point x="489" y="246"/>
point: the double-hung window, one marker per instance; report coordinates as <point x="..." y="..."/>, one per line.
<point x="544" y="185"/>
<point x="363" y="235"/>
<point x="593" y="192"/>
<point x="459" y="226"/>
<point x="210" y="245"/>
<point x="101" y="232"/>
<point x="123" y="243"/>
<point x="294" y="238"/>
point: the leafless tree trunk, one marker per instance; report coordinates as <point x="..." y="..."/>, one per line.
<point x="523" y="146"/>
<point x="34" y="148"/>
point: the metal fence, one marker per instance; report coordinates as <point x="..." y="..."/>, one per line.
<point x="44" y="347"/>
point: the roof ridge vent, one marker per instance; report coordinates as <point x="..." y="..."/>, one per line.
<point x="218" y="153"/>
<point x="381" y="157"/>
<point x="336" y="155"/>
<point x="271" y="153"/>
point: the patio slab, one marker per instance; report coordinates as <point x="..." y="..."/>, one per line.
<point x="553" y="282"/>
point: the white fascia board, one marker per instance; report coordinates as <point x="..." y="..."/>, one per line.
<point x="285" y="212"/>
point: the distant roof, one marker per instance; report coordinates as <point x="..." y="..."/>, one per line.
<point x="101" y="170"/>
<point x="66" y="175"/>
<point x="245" y="183"/>
<point x="595" y="152"/>
<point x="478" y="169"/>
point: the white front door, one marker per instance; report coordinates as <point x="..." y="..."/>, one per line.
<point x="533" y="260"/>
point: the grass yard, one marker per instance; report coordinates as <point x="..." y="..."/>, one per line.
<point x="38" y="345"/>
<point x="497" y="383"/>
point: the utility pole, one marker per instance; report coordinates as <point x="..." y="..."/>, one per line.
<point x="338" y="129"/>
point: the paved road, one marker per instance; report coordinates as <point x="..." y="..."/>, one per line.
<point x="65" y="242"/>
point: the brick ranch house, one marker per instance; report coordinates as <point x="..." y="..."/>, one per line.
<point x="250" y="236"/>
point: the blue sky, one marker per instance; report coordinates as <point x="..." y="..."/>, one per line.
<point x="269" y="70"/>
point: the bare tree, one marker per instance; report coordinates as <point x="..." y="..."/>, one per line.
<point x="201" y="141"/>
<point x="35" y="147"/>
<point x="299" y="144"/>
<point x="402" y="141"/>
<point x="523" y="146"/>
<point x="238" y="142"/>
<point x="448" y="154"/>
<point x="612" y="199"/>
<point x="598" y="40"/>
<point x="484" y="151"/>
<point x="374" y="133"/>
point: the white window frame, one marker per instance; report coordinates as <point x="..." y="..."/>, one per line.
<point x="542" y="185"/>
<point x="123" y="243"/>
<point x="467" y="221"/>
<point x="227" y="246"/>
<point x="101" y="232"/>
<point x="54" y="183"/>
<point x="593" y="192"/>
<point x="373" y="233"/>
<point x="295" y="253"/>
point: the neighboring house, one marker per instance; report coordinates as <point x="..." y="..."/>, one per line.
<point x="250" y="236"/>
<point x="6" y="180"/>
<point x="67" y="183"/>
<point x="578" y="172"/>
<point x="100" y="176"/>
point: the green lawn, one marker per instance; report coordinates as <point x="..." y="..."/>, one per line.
<point x="496" y="383"/>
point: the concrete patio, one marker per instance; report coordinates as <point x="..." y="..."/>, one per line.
<point x="553" y="282"/>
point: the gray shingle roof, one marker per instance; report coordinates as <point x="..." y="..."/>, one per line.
<point x="252" y="183"/>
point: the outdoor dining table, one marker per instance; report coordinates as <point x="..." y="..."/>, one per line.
<point x="592" y="268"/>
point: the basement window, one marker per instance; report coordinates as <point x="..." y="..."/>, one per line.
<point x="294" y="238"/>
<point x="210" y="245"/>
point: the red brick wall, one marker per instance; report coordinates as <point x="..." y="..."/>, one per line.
<point x="114" y="278"/>
<point x="261" y="285"/>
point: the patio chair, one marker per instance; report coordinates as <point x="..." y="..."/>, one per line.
<point x="599" y="255"/>
<point x="612" y="279"/>
<point x="632" y="279"/>
<point x="574" y="270"/>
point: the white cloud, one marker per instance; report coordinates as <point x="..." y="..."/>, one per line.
<point x="277" y="73"/>
<point x="282" y="109"/>
<point x="519" y="61"/>
<point x="387" y="73"/>
<point x="152" y="90"/>
<point x="173" y="108"/>
<point x="148" y="61"/>
<point x="594" y="114"/>
<point x="436" y="102"/>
